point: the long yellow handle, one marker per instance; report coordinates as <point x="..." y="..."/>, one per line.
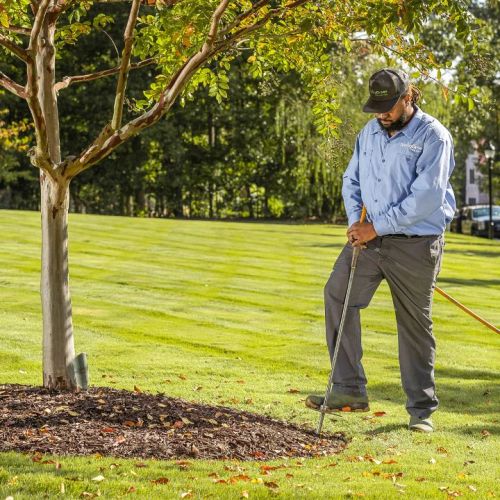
<point x="363" y="215"/>
<point x="467" y="310"/>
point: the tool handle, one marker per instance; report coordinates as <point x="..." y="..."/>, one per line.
<point x="467" y="310"/>
<point x="356" y="250"/>
<point x="363" y="215"/>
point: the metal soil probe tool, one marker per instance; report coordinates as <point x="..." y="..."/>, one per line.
<point x="354" y="260"/>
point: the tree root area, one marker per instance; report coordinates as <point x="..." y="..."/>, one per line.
<point x="120" y="423"/>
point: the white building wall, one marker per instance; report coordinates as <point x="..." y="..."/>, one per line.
<point x="474" y="179"/>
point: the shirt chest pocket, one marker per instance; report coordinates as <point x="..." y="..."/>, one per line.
<point x="365" y="158"/>
<point x="409" y="159"/>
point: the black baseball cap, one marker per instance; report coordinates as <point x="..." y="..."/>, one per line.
<point x="386" y="87"/>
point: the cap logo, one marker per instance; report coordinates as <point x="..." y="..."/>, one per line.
<point x="380" y="92"/>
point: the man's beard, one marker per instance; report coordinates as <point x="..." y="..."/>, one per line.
<point x="395" y="125"/>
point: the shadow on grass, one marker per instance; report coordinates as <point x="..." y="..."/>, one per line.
<point x="325" y="245"/>
<point x="475" y="400"/>
<point x="383" y="429"/>
<point x="479" y="431"/>
<point x="474" y="253"/>
<point x="470" y="282"/>
<point x="468" y="374"/>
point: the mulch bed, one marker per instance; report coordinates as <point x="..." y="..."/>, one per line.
<point x="127" y="424"/>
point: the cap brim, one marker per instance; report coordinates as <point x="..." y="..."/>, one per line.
<point x="373" y="106"/>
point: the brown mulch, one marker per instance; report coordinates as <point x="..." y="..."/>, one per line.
<point x="127" y="424"/>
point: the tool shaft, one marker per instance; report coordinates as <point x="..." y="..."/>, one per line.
<point x="354" y="261"/>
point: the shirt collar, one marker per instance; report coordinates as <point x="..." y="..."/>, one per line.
<point x="410" y="129"/>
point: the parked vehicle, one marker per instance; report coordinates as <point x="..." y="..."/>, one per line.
<point x="475" y="220"/>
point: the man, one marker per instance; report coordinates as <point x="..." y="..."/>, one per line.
<point x="400" y="172"/>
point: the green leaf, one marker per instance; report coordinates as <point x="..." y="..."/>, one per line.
<point x="4" y="19"/>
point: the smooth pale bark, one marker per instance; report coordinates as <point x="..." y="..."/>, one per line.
<point x="58" y="344"/>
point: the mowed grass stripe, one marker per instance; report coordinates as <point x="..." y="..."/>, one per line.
<point x="237" y="309"/>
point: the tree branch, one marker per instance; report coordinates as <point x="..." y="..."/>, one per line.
<point x="110" y="139"/>
<point x="61" y="6"/>
<point x="255" y="8"/>
<point x="14" y="49"/>
<point x="12" y="86"/>
<point x="69" y="80"/>
<point x="17" y="29"/>
<point x="37" y="26"/>
<point x="40" y="154"/>
<point x="214" y="24"/>
<point x="121" y="86"/>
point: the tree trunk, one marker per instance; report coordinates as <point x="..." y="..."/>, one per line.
<point x="58" y="344"/>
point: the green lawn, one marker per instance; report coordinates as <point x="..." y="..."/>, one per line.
<point x="237" y="310"/>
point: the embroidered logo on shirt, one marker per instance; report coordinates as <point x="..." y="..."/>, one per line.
<point x="415" y="148"/>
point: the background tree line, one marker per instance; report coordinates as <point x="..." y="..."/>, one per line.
<point x="248" y="147"/>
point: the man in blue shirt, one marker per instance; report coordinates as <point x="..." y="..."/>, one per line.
<point x="400" y="172"/>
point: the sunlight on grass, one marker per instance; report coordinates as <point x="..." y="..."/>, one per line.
<point x="237" y="310"/>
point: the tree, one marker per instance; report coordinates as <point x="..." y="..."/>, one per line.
<point x="179" y="38"/>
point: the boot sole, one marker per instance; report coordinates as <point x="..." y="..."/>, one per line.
<point x="312" y="406"/>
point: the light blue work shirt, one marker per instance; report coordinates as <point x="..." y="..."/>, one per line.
<point x="402" y="180"/>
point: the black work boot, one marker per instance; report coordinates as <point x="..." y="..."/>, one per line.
<point x="339" y="401"/>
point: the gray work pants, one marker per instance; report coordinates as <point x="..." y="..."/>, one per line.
<point x="410" y="266"/>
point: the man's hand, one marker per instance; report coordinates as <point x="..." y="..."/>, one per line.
<point x="360" y="233"/>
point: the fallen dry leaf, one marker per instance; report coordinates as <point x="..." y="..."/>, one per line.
<point x="182" y="376"/>
<point x="132" y="489"/>
<point x="160" y="480"/>
<point x="293" y="391"/>
<point x="240" y="477"/>
<point x="271" y="484"/>
<point x="120" y="440"/>
<point x="137" y="389"/>
<point x="98" y="478"/>
<point x="379" y="413"/>
<point x="244" y="494"/>
<point x="187" y="494"/>
<point x="265" y="469"/>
